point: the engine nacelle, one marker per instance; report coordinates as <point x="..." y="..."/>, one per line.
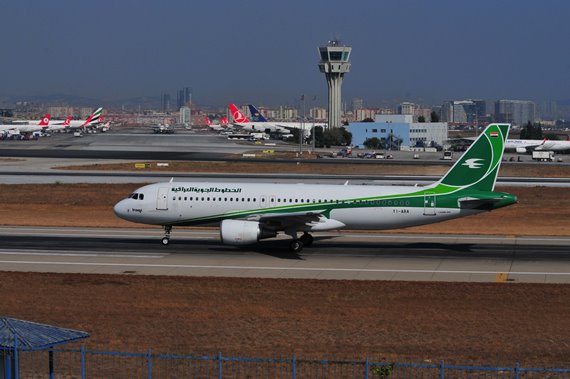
<point x="238" y="232"/>
<point x="521" y="150"/>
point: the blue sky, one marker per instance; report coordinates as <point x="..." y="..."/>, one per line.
<point x="265" y="52"/>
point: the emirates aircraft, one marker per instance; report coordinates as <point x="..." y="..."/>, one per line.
<point x="249" y="212"/>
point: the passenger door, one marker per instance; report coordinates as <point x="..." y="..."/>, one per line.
<point x="429" y="204"/>
<point x="162" y="198"/>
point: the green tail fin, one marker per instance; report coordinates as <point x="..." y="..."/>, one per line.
<point x="479" y="166"/>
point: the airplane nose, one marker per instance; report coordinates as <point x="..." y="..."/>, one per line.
<point x="121" y="209"/>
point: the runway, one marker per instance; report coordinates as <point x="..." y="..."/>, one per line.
<point x="342" y="255"/>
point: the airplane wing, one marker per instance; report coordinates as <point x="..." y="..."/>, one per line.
<point x="306" y="220"/>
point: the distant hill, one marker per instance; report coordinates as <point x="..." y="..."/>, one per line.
<point x="144" y="102"/>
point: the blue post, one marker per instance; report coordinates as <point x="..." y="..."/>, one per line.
<point x="149" y="365"/>
<point x="441" y="370"/>
<point x="517" y="371"/>
<point x="219" y="365"/>
<point x="82" y="362"/>
<point x="366" y="367"/>
<point x="16" y="363"/>
<point x="293" y="367"/>
<point x="8" y="363"/>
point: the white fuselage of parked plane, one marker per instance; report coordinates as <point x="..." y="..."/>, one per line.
<point x="529" y="145"/>
<point x="274" y="126"/>
<point x="188" y="203"/>
<point x="21" y="128"/>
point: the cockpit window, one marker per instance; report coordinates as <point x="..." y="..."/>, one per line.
<point x="136" y="196"/>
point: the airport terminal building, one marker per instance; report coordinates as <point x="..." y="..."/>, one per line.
<point x="399" y="132"/>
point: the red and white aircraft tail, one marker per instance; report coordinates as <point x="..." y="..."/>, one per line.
<point x="224" y="121"/>
<point x="45" y="120"/>
<point x="238" y="116"/>
<point x="67" y="122"/>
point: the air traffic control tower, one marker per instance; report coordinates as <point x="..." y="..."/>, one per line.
<point x="335" y="62"/>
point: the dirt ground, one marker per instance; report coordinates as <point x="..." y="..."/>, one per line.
<point x="463" y="323"/>
<point x="379" y="168"/>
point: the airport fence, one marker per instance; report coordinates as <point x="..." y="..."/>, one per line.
<point x="83" y="363"/>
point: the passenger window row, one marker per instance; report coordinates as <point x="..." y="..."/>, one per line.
<point x="294" y="201"/>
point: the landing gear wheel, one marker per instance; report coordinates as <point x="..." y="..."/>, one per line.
<point x="306" y="239"/>
<point x="166" y="239"/>
<point x="296" y="246"/>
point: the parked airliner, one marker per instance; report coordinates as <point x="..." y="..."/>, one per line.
<point x="14" y="129"/>
<point x="523" y="146"/>
<point x="249" y="212"/>
<point x="262" y="125"/>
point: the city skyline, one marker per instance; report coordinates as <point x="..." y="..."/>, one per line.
<point x="261" y="53"/>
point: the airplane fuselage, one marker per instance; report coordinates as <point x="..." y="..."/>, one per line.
<point x="357" y="207"/>
<point x="529" y="145"/>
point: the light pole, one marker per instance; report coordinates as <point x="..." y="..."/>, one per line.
<point x="313" y="127"/>
<point x="302" y="129"/>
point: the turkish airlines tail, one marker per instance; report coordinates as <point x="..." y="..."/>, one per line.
<point x="237" y="115"/>
<point x="45" y="120"/>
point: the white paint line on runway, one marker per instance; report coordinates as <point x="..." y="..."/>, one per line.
<point x="75" y="254"/>
<point x="287" y="268"/>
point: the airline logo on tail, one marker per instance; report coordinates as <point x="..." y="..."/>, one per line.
<point x="67" y="121"/>
<point x="479" y="165"/>
<point x="237" y="115"/>
<point x="94" y="118"/>
<point x="255" y="114"/>
<point x="473" y="163"/>
<point x="207" y="120"/>
<point x="45" y="120"/>
<point x="224" y="121"/>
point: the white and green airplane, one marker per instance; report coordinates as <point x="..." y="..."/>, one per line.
<point x="249" y="212"/>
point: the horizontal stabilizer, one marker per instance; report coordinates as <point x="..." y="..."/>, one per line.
<point x="475" y="203"/>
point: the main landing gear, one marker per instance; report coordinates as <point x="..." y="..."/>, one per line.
<point x="296" y="246"/>
<point x="166" y="239"/>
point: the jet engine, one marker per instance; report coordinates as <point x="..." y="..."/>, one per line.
<point x="521" y="150"/>
<point x="238" y="232"/>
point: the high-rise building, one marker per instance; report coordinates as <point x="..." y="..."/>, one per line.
<point x="165" y="102"/>
<point x="334" y="63"/>
<point x="516" y="112"/>
<point x="459" y="112"/>
<point x="407" y="108"/>
<point x="185" y="116"/>
<point x="357" y="103"/>
<point x="480" y="107"/>
<point x="549" y="110"/>
<point x="184" y="97"/>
